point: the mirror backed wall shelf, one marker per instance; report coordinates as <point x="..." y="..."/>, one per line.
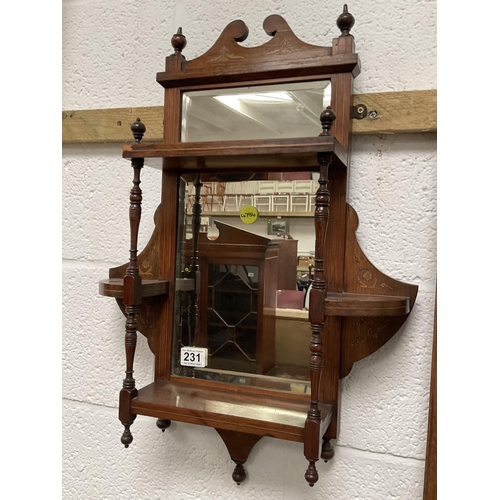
<point x="239" y="346"/>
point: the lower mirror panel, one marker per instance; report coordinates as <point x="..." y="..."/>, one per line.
<point x="241" y="293"/>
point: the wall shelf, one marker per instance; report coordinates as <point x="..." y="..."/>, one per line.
<point x="354" y="309"/>
<point x="225" y="409"/>
<point x="273" y="155"/>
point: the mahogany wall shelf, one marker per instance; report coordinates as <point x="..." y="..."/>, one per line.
<point x="354" y="309"/>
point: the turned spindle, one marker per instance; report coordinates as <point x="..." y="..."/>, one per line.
<point x="132" y="293"/>
<point x="317" y="305"/>
<point x="194" y="266"/>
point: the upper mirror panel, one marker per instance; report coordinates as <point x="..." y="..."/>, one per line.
<point x="261" y="112"/>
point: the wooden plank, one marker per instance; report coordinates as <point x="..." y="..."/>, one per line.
<point x="110" y="125"/>
<point x="397" y="112"/>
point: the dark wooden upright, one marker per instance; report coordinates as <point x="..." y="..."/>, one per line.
<point x="354" y="308"/>
<point x="132" y="284"/>
<point x="317" y="298"/>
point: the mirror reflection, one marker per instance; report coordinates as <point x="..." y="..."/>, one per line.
<point x="260" y="112"/>
<point x="245" y="265"/>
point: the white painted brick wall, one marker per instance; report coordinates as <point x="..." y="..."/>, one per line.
<point x="111" y="53"/>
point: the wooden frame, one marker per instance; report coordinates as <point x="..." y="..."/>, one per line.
<point x="354" y="308"/>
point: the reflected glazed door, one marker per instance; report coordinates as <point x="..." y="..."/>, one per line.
<point x="232" y="324"/>
<point x="231" y="315"/>
<point x="239" y="274"/>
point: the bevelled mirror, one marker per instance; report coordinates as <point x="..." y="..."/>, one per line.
<point x="257" y="112"/>
<point x="246" y="303"/>
<point x="241" y="303"/>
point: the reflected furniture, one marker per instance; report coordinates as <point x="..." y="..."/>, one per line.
<point x="240" y="274"/>
<point x="354" y="309"/>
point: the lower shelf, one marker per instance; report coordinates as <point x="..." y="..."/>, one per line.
<point x="256" y="414"/>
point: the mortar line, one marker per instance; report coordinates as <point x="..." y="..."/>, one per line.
<point x="379" y="454"/>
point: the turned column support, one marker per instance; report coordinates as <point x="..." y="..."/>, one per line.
<point x="194" y="266"/>
<point x="132" y="297"/>
<point x="317" y="307"/>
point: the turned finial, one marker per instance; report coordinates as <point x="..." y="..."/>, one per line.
<point x="327" y="118"/>
<point x="345" y="21"/>
<point x="138" y="128"/>
<point x="178" y="41"/>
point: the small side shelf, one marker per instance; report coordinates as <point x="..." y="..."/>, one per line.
<point x="113" y="287"/>
<point x="356" y="304"/>
<point x="257" y="414"/>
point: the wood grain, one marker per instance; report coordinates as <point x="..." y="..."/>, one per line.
<point x="430" y="478"/>
<point x="113" y="287"/>
<point x="355" y="304"/>
<point x="234" y="411"/>
<point x="397" y="112"/>
<point x="283" y="56"/>
<point x="363" y="335"/>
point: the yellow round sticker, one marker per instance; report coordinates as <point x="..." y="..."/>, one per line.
<point x="249" y="214"/>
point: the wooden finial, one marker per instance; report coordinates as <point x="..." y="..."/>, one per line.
<point x="327" y="118"/>
<point x="345" y="21"/>
<point x="138" y="128"/>
<point x="178" y="41"/>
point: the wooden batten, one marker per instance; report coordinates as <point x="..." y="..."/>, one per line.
<point x="397" y="112"/>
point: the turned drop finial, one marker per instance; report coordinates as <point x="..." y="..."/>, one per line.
<point x="163" y="423"/>
<point x="345" y="21"/>
<point x="178" y="41"/>
<point x="327" y="118"/>
<point x="138" y="128"/>
<point x="239" y="473"/>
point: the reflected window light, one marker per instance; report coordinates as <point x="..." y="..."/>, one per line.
<point x="327" y="96"/>
<point x="252" y="113"/>
<point x="234" y="101"/>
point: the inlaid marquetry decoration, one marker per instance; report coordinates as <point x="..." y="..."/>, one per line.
<point x="148" y="265"/>
<point x="362" y="336"/>
<point x="224" y="55"/>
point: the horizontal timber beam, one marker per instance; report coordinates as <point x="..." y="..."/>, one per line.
<point x="396" y="113"/>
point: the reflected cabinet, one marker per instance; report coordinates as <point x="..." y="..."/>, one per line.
<point x="240" y="343"/>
